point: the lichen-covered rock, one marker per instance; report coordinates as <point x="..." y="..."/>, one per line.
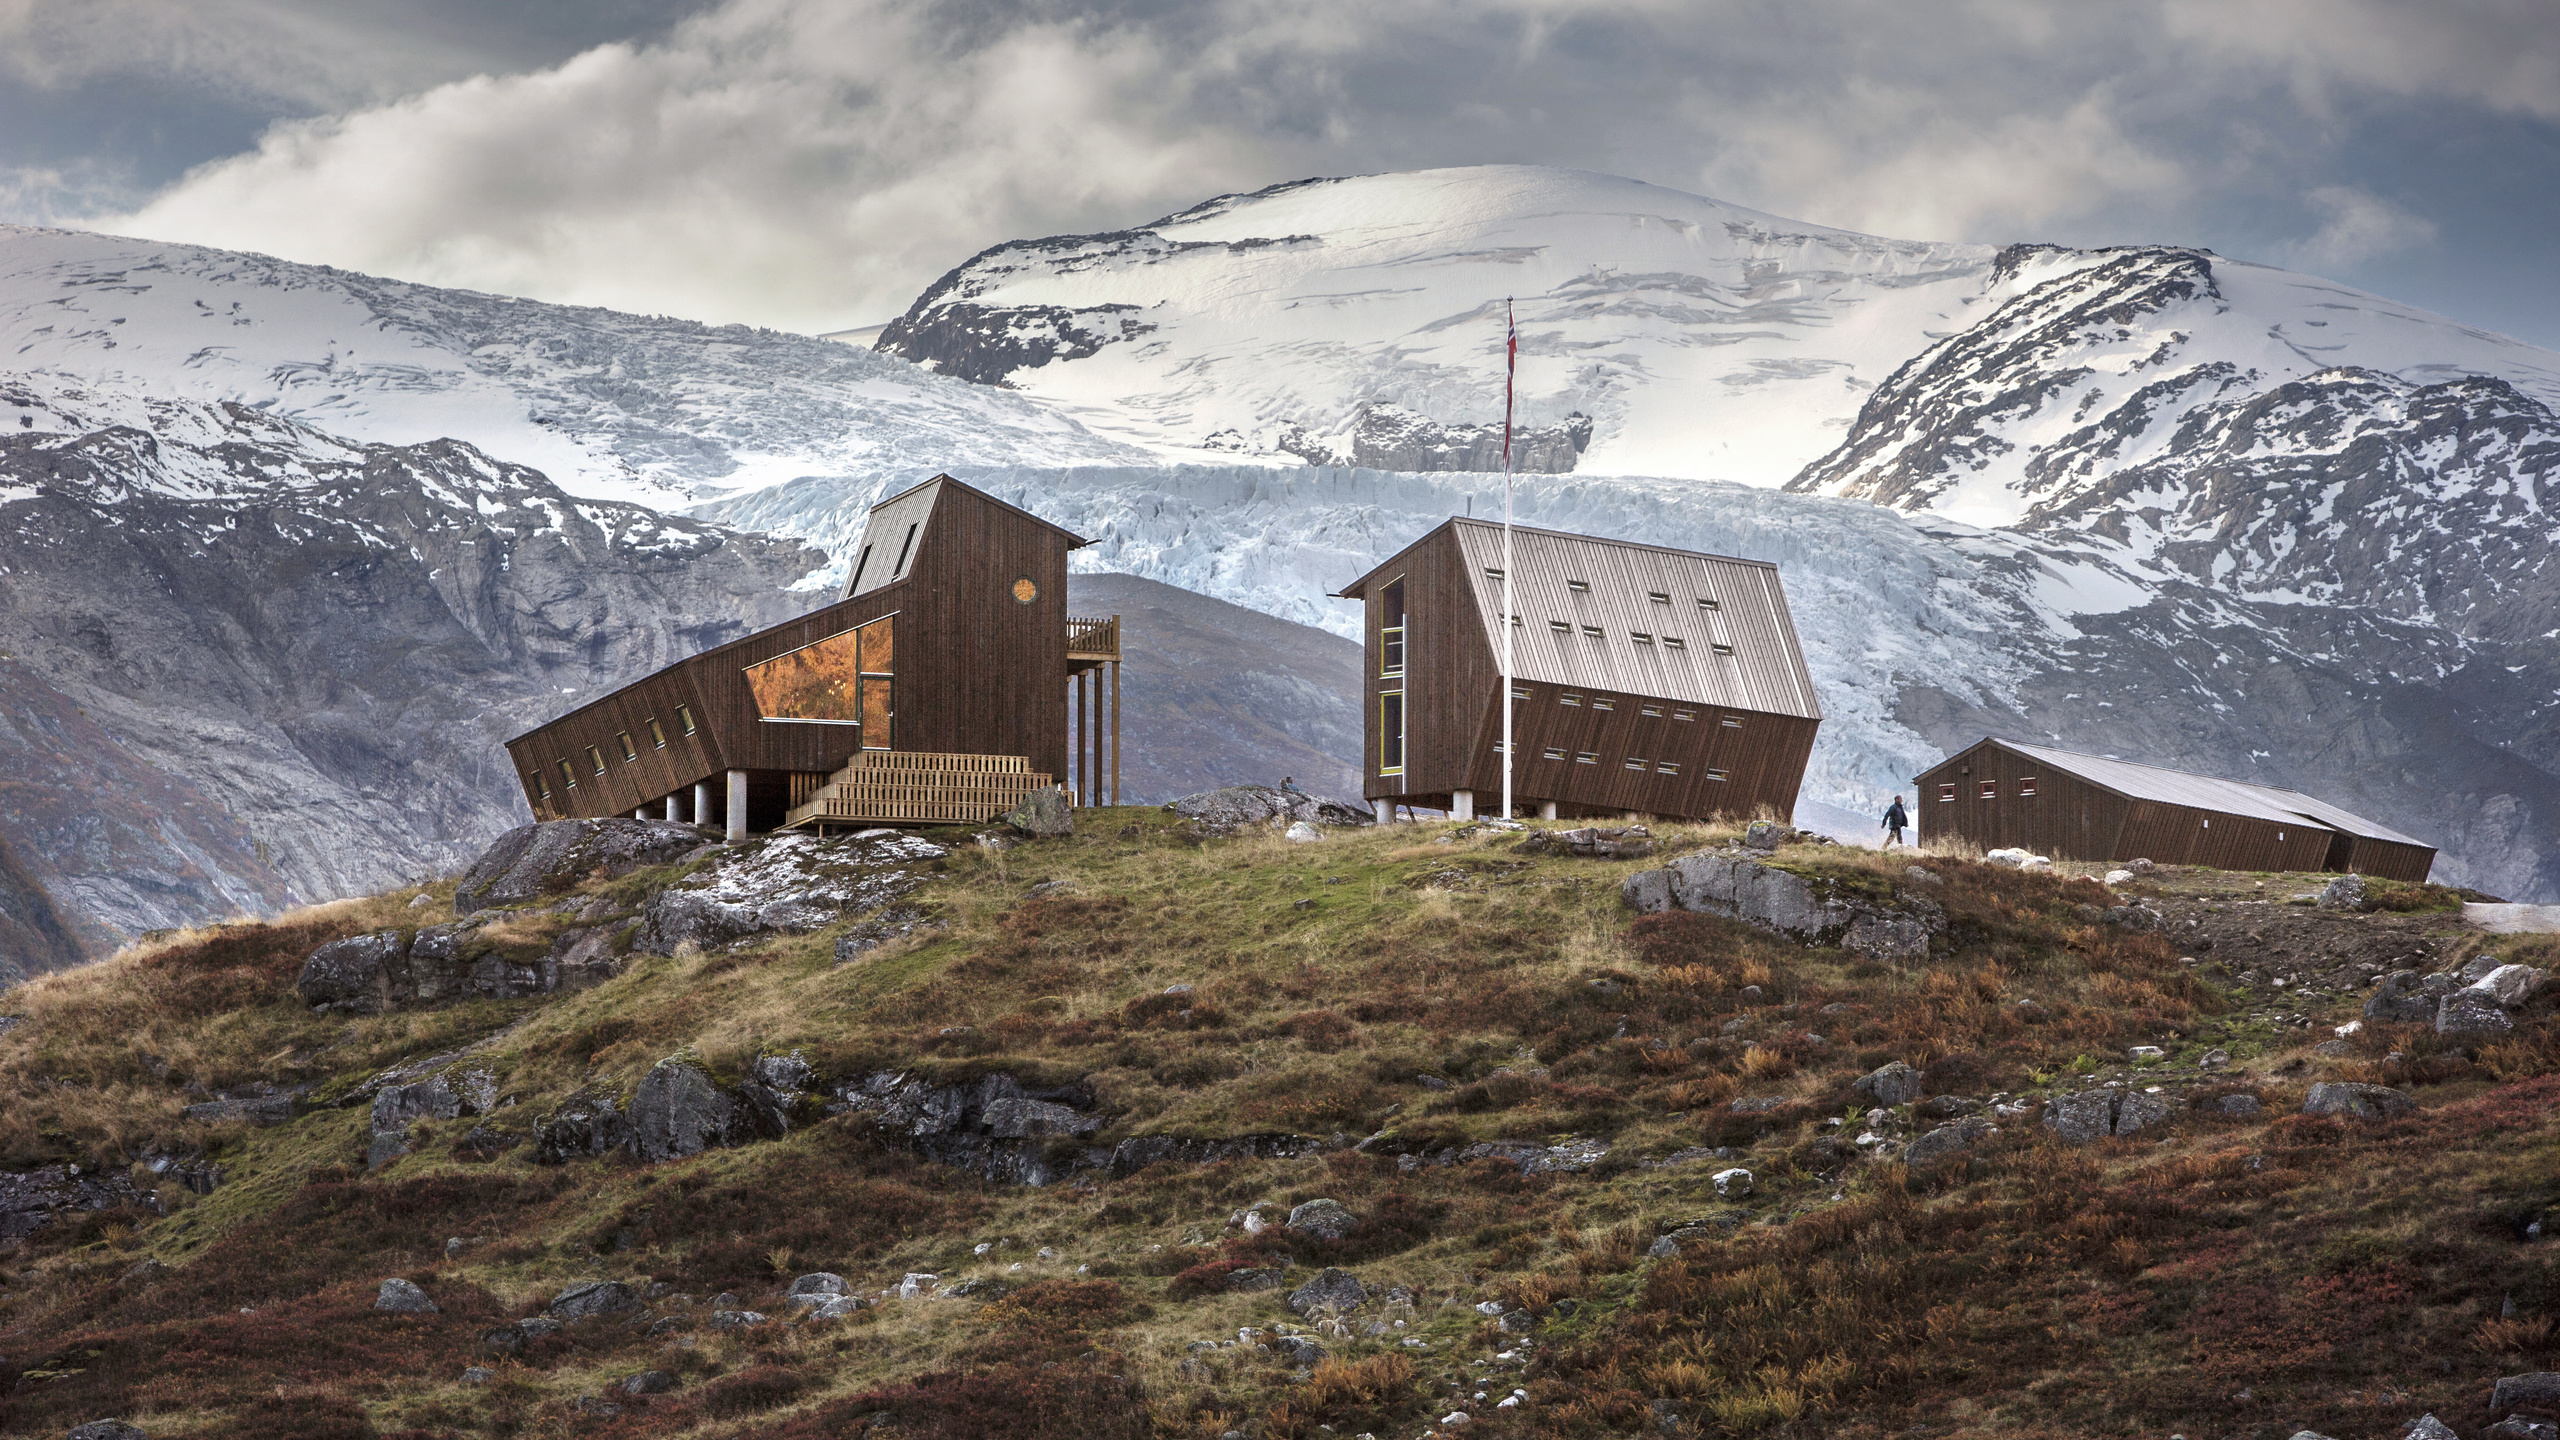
<point x="1733" y="1184"/>
<point x="591" y="1297"/>
<point x="2401" y="999"/>
<point x="107" y="1430"/>
<point x="2096" y="1114"/>
<point x="31" y="1200"/>
<point x="680" y="1111"/>
<point x="2471" y="1012"/>
<point x="532" y="861"/>
<point x="2344" y="893"/>
<point x="1948" y="1140"/>
<point x="2539" y="1388"/>
<point x="788" y="885"/>
<point x="2137" y="1110"/>
<point x="356" y="974"/>
<point x="586" y="1125"/>
<point x="1325" y="1219"/>
<point x="1733" y="884"/>
<point x="1224" y="811"/>
<point x="403" y="1297"/>
<point x="1891" y="1084"/>
<point x="2363" y="1102"/>
<point x="2512" y="984"/>
<point x="1625" y="842"/>
<point x="1335" y="1290"/>
<point x="1042" y="815"/>
<point x="1893" y="939"/>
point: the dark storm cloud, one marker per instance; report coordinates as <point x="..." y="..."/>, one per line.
<point x="811" y="163"/>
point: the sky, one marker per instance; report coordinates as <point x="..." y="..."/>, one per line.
<point x="811" y="165"/>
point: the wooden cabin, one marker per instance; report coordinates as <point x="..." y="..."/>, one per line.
<point x="1647" y="680"/>
<point x="928" y="694"/>
<point x="2000" y="793"/>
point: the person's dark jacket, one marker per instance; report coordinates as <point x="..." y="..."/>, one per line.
<point x="1895" y="819"/>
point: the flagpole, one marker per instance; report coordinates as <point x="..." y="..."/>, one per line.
<point x="1510" y="363"/>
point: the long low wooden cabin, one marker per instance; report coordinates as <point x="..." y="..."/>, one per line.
<point x="2001" y="793"/>
<point x="1646" y="680"/>
<point x="929" y="693"/>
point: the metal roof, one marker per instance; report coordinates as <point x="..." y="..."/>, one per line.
<point x="1667" y="648"/>
<point x="2205" y="792"/>
<point x="880" y="564"/>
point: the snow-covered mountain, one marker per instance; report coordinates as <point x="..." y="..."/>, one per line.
<point x="607" y="405"/>
<point x="1702" y="340"/>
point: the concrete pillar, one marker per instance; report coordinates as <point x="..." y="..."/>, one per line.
<point x="640" y="814"/>
<point x="1462" y="805"/>
<point x="702" y="802"/>
<point x="671" y="807"/>
<point x="737" y="806"/>
<point x="1546" y="809"/>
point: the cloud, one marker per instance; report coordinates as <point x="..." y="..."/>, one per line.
<point x="814" y="163"/>
<point x="2500" y="54"/>
<point x="2356" y="226"/>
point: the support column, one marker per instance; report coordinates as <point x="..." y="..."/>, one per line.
<point x="671" y="807"/>
<point x="1462" y="805"/>
<point x="1546" y="809"/>
<point x="1075" y="739"/>
<point x="702" y="802"/>
<point x="1115" y="720"/>
<point x="737" y="806"/>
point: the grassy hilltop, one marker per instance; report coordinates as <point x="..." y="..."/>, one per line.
<point x="1401" y="994"/>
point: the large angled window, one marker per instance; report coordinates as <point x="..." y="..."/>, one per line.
<point x="849" y="678"/>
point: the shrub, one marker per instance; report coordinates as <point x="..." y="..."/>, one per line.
<point x="752" y="1390"/>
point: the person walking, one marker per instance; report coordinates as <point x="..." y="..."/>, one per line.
<point x="1894" y="819"/>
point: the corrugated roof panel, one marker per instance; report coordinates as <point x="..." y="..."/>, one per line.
<point x="889" y="537"/>
<point x="2173" y="787"/>
<point x="1741" y="654"/>
<point x="2337" y="819"/>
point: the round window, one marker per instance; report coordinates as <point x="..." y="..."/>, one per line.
<point x="1024" y="591"/>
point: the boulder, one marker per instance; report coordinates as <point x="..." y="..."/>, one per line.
<point x="738" y="1319"/>
<point x="821" y="1283"/>
<point x="1733" y="884"/>
<point x="107" y="1430"/>
<point x="2244" y="1107"/>
<point x="1249" y="1280"/>
<point x="402" y="1297"/>
<point x="2512" y="984"/>
<point x="837" y="1307"/>
<point x="1324" y="1219"/>
<point x="1891" y="1084"/>
<point x="2344" y="893"/>
<point x="587" y="1125"/>
<point x="478" y="1375"/>
<point x="358" y="975"/>
<point x="2017" y="859"/>
<point x="532" y="861"/>
<point x="2363" y="1102"/>
<point x="2401" y="999"/>
<point x="2516" y="1427"/>
<point x="1948" y="1140"/>
<point x="1042" y="815"/>
<point x="2079" y="1119"/>
<point x="1335" y="1290"/>
<point x="1299" y="1351"/>
<point x="679" y="1111"/>
<point x="1733" y="1184"/>
<point x="1893" y="939"/>
<point x="788" y="885"/>
<point x="2472" y="1012"/>
<point x="31" y="1200"/>
<point x="2539" y="1389"/>
<point x="916" y="1284"/>
<point x="591" y="1297"/>
<point x="1625" y="842"/>
<point x="1301" y="833"/>
<point x="649" y="1382"/>
<point x="1231" y="808"/>
<point x="2427" y="1427"/>
<point x="2138" y="1110"/>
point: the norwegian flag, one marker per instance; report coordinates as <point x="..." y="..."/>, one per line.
<point x="1510" y="367"/>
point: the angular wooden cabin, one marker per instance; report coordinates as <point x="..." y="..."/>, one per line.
<point x="2000" y="793"/>
<point x="1646" y="680"/>
<point x="928" y="694"/>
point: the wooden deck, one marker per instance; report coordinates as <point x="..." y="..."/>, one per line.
<point x="1091" y="642"/>
<point x="906" y="787"/>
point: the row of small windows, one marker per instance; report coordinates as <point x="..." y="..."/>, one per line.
<point x="622" y="742"/>
<point x="1640" y="637"/>
<point x="1632" y="762"/>
<point x="1583" y="587"/>
<point x="1989" y="789"/>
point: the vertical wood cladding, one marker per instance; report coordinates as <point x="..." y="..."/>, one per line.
<point x="975" y="673"/>
<point x="1981" y="795"/>
<point x="1716" y="667"/>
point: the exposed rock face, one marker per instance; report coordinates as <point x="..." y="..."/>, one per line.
<point x="2096" y="1114"/>
<point x="30" y="1201"/>
<point x="403" y="1297"/>
<point x="591" y="1297"/>
<point x="1948" y="1140"/>
<point x="786" y="885"/>
<point x="2361" y="1102"/>
<point x="1384" y="436"/>
<point x="396" y="969"/>
<point x="680" y="1111"/>
<point x="1336" y="1290"/>
<point x="1324" y="1219"/>
<point x="1733" y="884"/>
<point x="449" y="599"/>
<point x="1892" y="1084"/>
<point x="1628" y="842"/>
<point x="587" y="1125"/>
<point x="532" y="861"/>
<point x="1224" y="811"/>
<point x="995" y="1127"/>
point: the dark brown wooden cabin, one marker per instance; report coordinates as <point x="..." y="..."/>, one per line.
<point x="927" y="693"/>
<point x="1647" y="681"/>
<point x="2000" y="793"/>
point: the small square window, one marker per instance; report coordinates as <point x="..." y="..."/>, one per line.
<point x="1684" y="714"/>
<point x="1639" y="637"/>
<point x="1946" y="792"/>
<point x="684" y="717"/>
<point x="1568" y="698"/>
<point x="1990" y="790"/>
<point x="1650" y="712"/>
<point x="568" y="777"/>
<point x="1724" y="649"/>
<point x="1586" y="757"/>
<point x="595" y="757"/>
<point x="1709" y="605"/>
<point x="541" y="785"/>
<point x="1578" y="587"/>
<point x="1515" y="622"/>
<point x="1637" y="762"/>
<point x="1555" y="752"/>
<point x="657" y="733"/>
<point x="1658" y="597"/>
<point x="623" y="738"/>
<point x="1492" y="574"/>
<point x="1714" y="774"/>
<point x="1667" y="767"/>
<point x="1732" y="722"/>
<point x="1591" y="630"/>
<point x="1674" y="642"/>
<point x="1603" y="703"/>
<point x="1519" y="692"/>
<point x="2027" y="787"/>
<point x="1561" y="627"/>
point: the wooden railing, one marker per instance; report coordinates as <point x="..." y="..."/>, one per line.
<point x="1090" y="639"/>
<point x="913" y="787"/>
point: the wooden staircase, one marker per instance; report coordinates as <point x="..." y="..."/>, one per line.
<point x="913" y="787"/>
